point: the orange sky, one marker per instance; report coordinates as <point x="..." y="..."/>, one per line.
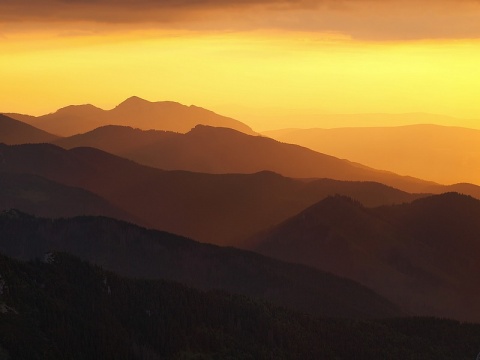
<point x="268" y="63"/>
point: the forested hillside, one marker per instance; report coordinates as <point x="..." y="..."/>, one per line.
<point x="62" y="308"/>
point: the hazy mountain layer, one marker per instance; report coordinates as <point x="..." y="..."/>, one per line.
<point x="63" y="309"/>
<point x="14" y="132"/>
<point x="140" y="253"/>
<point x="136" y="112"/>
<point x="39" y="196"/>
<point x="222" y="209"/>
<point x="423" y="255"/>
<point x="221" y="150"/>
<point x="443" y="154"/>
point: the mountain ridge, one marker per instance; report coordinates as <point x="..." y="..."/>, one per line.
<point x="14" y="132"/>
<point x="223" y="150"/>
<point x="42" y="197"/>
<point x="422" y="254"/>
<point x="136" y="252"/>
<point x="216" y="208"/>
<point x="423" y="151"/>
<point x="48" y="310"/>
<point x="134" y="111"/>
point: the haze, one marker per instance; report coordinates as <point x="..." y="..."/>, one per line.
<point x="239" y="179"/>
<point x="255" y="60"/>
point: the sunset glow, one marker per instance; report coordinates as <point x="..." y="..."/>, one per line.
<point x="259" y="70"/>
<point x="239" y="179"/>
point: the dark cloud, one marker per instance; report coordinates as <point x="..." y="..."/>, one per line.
<point x="363" y="19"/>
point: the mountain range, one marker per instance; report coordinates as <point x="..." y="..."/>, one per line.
<point x="444" y="154"/>
<point x="184" y="210"/>
<point x="221" y="150"/>
<point x="13" y="132"/>
<point x="421" y="255"/>
<point x="36" y="195"/>
<point x="354" y="120"/>
<point x="135" y="252"/>
<point x="137" y="112"/>
<point x="64" y="308"/>
<point x="223" y="209"/>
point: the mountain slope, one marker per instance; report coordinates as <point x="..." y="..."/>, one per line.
<point x="423" y="151"/>
<point x="48" y="312"/>
<point x="423" y="255"/>
<point x="39" y="196"/>
<point x="121" y="141"/>
<point x="221" y="150"/>
<point x="16" y="132"/>
<point x="462" y="188"/>
<point x="140" y="253"/>
<point x="221" y="209"/>
<point x="136" y="112"/>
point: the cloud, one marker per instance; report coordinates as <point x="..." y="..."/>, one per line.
<point x="360" y="19"/>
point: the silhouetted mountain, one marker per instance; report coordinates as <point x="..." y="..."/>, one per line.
<point x="36" y="195"/>
<point x="63" y="308"/>
<point x="27" y="119"/>
<point x="449" y="225"/>
<point x="221" y="209"/>
<point x="136" y="112"/>
<point x="139" y="145"/>
<point x="331" y="121"/>
<point x="136" y="252"/>
<point x="422" y="255"/>
<point x="462" y="188"/>
<point x="221" y="150"/>
<point x="424" y="151"/>
<point x="16" y="132"/>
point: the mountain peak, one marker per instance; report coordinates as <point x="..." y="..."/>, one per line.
<point x="133" y="101"/>
<point x="333" y="206"/>
<point x="451" y="201"/>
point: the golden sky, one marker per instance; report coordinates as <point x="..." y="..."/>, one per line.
<point x="256" y="60"/>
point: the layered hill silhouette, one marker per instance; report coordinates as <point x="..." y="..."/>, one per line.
<point x="63" y="308"/>
<point x="422" y="255"/>
<point x="331" y="121"/>
<point x="222" y="209"/>
<point x="444" y="154"/>
<point x="136" y="112"/>
<point x="221" y="150"/>
<point x="139" y="253"/>
<point x="14" y="132"/>
<point x="462" y="188"/>
<point x="39" y="196"/>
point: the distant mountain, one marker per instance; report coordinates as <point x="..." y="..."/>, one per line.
<point x="334" y="121"/>
<point x="14" y="132"/>
<point x="221" y="150"/>
<point x="136" y="112"/>
<point x="443" y="154"/>
<point x="63" y="308"/>
<point x="462" y="188"/>
<point x="221" y="209"/>
<point x="423" y="255"/>
<point x="139" y="145"/>
<point x="39" y="196"/>
<point x="139" y="253"/>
